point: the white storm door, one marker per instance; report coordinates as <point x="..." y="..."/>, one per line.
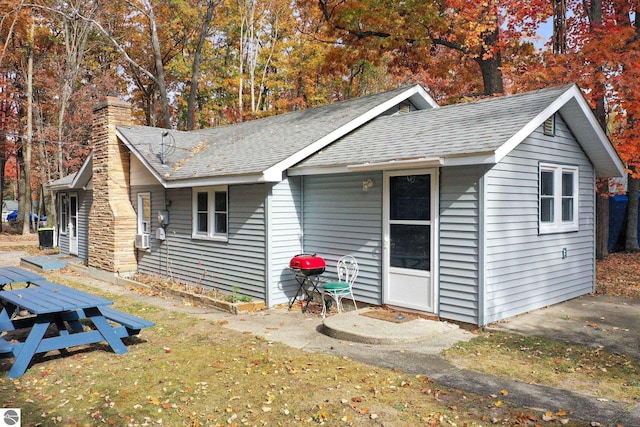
<point x="410" y="202"/>
<point x="73" y="224"/>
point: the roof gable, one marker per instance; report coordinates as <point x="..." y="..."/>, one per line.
<point x="75" y="180"/>
<point x="259" y="150"/>
<point x="483" y="131"/>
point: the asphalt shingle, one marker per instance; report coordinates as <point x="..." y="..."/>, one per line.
<point x="456" y="130"/>
<point x="245" y="148"/>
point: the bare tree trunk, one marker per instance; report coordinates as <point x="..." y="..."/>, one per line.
<point x="594" y="11"/>
<point x="559" y="27"/>
<point x="160" y="76"/>
<point x="602" y="223"/>
<point x="26" y="213"/>
<point x="195" y="69"/>
<point x="631" y="235"/>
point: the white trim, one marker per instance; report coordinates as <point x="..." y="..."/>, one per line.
<point x="73" y="237"/>
<point x="558" y="225"/>
<point x="274" y="173"/>
<point x="214" y="181"/>
<point x="211" y="214"/>
<point x="434" y="272"/>
<point x="416" y="94"/>
<point x="572" y="93"/>
<point x="317" y="170"/>
<point x="537" y="121"/>
<point x="79" y="177"/>
<point x="476" y="159"/>
<point x="64" y="211"/>
<point x="602" y="136"/>
<point x="140" y="214"/>
<point x="271" y="285"/>
<point x="422" y="162"/>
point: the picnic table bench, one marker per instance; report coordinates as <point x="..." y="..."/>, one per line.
<point x="51" y="304"/>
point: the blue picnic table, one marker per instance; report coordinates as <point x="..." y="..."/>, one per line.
<point x="11" y="275"/>
<point x="51" y="304"/>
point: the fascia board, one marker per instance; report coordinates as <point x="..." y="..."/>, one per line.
<point x="601" y="135"/>
<point x="475" y="159"/>
<point x="397" y="164"/>
<point x="211" y="181"/>
<point x="84" y="174"/>
<point x="274" y="173"/>
<point x="530" y="127"/>
<point x="317" y="170"/>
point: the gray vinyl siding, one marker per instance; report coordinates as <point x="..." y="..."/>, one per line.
<point x="285" y="224"/>
<point x="524" y="270"/>
<point x="85" y="199"/>
<point x="237" y="264"/>
<point x="460" y="206"/>
<point x="341" y="219"/>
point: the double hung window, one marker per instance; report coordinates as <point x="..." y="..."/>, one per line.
<point x="558" y="207"/>
<point x="210" y="213"/>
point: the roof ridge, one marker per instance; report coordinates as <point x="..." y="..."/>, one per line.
<point x="561" y="88"/>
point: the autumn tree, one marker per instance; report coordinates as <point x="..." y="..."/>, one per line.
<point x="478" y="34"/>
<point x="602" y="43"/>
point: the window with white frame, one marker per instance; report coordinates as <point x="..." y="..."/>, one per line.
<point x="64" y="212"/>
<point x="210" y="212"/>
<point x="144" y="213"/>
<point x="558" y="198"/>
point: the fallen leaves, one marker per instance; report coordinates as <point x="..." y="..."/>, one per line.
<point x="617" y="275"/>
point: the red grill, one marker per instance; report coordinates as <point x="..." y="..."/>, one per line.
<point x="308" y="265"/>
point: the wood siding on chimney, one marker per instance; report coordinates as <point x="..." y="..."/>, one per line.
<point x="112" y="221"/>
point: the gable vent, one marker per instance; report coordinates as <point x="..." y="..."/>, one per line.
<point x="550" y="126"/>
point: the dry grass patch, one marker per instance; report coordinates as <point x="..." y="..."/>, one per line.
<point x="584" y="370"/>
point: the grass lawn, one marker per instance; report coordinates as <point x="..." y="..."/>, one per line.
<point x="193" y="373"/>
<point x="185" y="372"/>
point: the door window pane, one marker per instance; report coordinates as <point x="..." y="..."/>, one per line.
<point x="410" y="246"/>
<point x="410" y="197"/>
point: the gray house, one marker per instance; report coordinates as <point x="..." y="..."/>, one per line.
<point x="473" y="212"/>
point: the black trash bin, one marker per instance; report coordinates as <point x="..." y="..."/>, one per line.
<point x="45" y="237"/>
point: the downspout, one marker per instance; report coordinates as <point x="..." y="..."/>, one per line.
<point x="267" y="241"/>
<point x="482" y="295"/>
<point x="301" y="234"/>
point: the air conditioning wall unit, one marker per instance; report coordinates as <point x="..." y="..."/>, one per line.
<point x="143" y="241"/>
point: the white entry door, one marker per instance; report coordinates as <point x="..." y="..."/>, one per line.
<point x="73" y="224"/>
<point x="410" y="203"/>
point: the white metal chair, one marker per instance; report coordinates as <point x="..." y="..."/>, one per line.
<point x="347" y="273"/>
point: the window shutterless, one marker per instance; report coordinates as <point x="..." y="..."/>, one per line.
<point x="210" y="213"/>
<point x="558" y="198"/>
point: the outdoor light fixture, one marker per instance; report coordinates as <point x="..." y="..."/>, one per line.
<point x="367" y="184"/>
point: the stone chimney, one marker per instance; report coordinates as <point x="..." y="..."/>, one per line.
<point x="112" y="220"/>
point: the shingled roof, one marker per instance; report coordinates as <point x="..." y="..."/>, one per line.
<point x="475" y="132"/>
<point x="259" y="150"/>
